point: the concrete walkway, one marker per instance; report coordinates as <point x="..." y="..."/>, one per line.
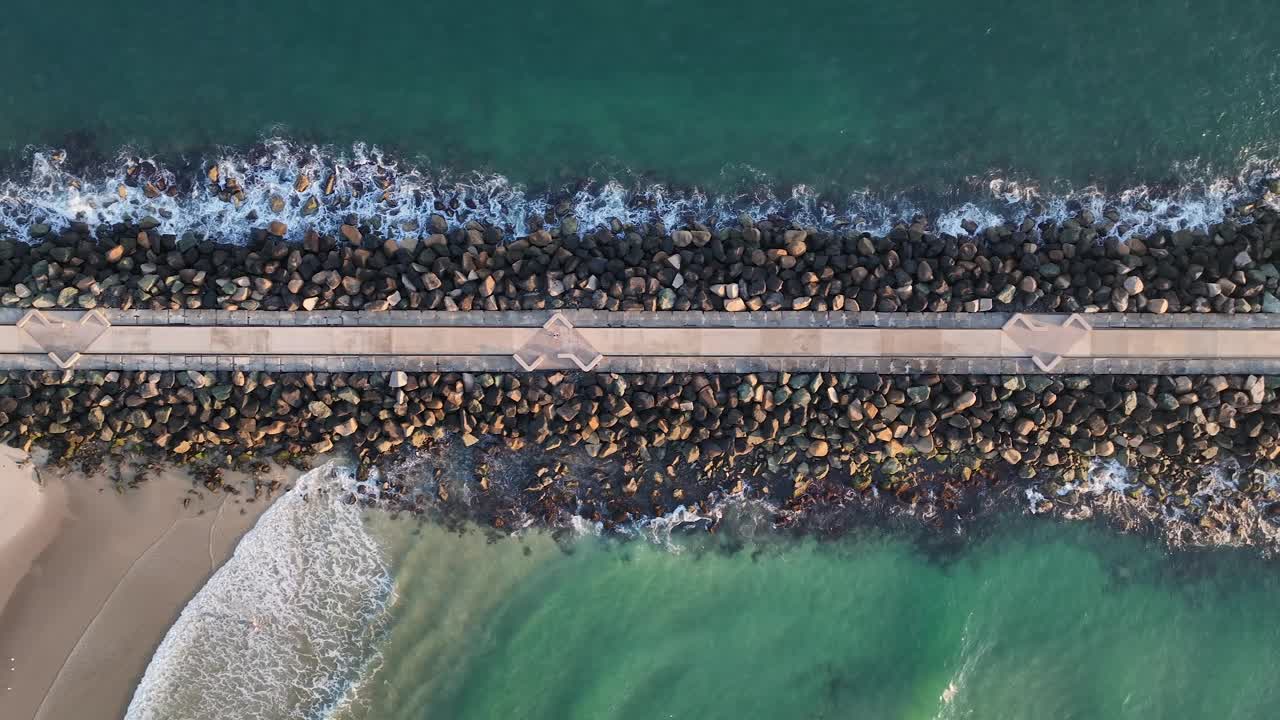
<point x="641" y="342"/>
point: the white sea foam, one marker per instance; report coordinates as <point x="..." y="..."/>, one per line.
<point x="952" y="701"/>
<point x="745" y="517"/>
<point x="287" y="627"/>
<point x="1034" y="500"/>
<point x="658" y="530"/>
<point x="1105" y="476"/>
<point x="374" y="187"/>
<point x="1222" y="512"/>
<point x="583" y="527"/>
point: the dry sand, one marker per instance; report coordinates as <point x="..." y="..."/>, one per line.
<point x="91" y="579"/>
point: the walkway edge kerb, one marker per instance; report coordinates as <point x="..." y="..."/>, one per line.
<point x="865" y="342"/>
<point x="668" y="319"/>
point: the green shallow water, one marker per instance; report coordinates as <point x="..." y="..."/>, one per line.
<point x="835" y="94"/>
<point x="329" y="613"/>
<point x="1038" y="621"/>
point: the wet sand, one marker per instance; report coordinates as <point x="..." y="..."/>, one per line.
<point x="90" y="580"/>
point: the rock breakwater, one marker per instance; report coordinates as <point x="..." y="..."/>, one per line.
<point x="614" y="449"/>
<point x="1076" y="266"/>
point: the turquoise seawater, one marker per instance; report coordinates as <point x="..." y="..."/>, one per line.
<point x="1028" y="624"/>
<point x="842" y="95"/>
<point x="1034" y="623"/>
<point x="327" y="613"/>
<point x="364" y="617"/>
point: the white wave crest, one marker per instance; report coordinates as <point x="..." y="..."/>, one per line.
<point x="658" y="530"/>
<point x="1105" y="476"/>
<point x="747" y="517"/>
<point x="952" y="701"/>
<point x="401" y="198"/>
<point x="287" y="626"/>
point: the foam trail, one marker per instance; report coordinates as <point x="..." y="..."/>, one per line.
<point x="658" y="530"/>
<point x="287" y="627"/>
<point x="952" y="700"/>
<point x="401" y="198"/>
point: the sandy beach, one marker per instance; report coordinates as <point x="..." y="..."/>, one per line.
<point x="91" y="578"/>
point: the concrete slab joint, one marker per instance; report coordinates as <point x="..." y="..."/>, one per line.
<point x="557" y="341"/>
<point x="1045" y="340"/>
<point x="626" y="341"/>
<point x="64" y="339"/>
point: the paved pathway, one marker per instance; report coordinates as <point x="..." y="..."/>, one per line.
<point x="634" y="342"/>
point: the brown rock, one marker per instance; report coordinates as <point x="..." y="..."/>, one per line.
<point x="964" y="401"/>
<point x="795" y="242"/>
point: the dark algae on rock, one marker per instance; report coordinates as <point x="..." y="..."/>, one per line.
<point x="650" y="443"/>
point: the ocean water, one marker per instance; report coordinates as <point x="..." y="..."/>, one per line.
<point x="846" y="94"/>
<point x="852" y="113"/>
<point x="330" y="612"/>
<point x="835" y="114"/>
<point x="399" y="197"/>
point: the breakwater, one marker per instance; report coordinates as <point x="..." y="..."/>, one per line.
<point x="618" y="447"/>
<point x="613" y="448"/>
<point x="1079" y="265"/>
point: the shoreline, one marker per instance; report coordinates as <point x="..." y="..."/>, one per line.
<point x="80" y="155"/>
<point x="30" y="516"/>
<point x="106" y="573"/>
<point x="1093" y="261"/>
<point x="1192" y="454"/>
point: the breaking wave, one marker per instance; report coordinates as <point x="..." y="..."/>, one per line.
<point x="288" y="626"/>
<point x="1219" y="513"/>
<point x="305" y="186"/>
